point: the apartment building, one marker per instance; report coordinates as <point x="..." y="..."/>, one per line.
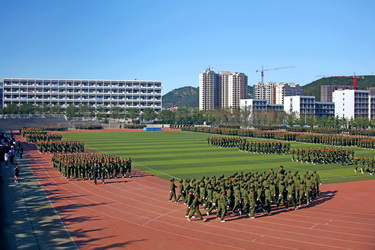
<point x="286" y="89"/>
<point x="275" y="93"/>
<point x="221" y="90"/>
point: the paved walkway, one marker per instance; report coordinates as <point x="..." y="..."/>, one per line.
<point x="27" y="218"/>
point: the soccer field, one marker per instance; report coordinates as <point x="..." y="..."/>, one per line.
<point x="178" y="154"/>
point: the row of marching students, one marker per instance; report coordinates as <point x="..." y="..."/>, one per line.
<point x="248" y="193"/>
<point x="323" y="155"/>
<point x="91" y="166"/>
<point x="60" y="146"/>
<point x="365" y="165"/>
<point x="258" y="147"/>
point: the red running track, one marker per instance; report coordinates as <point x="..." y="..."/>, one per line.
<point x="135" y="213"/>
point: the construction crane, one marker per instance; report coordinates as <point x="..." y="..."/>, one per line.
<point x="262" y="71"/>
<point x="355" y="77"/>
<point x="209" y="67"/>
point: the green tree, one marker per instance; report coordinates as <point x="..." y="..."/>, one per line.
<point x="166" y="117"/>
<point x="71" y="111"/>
<point x="26" y="108"/>
<point x="117" y="112"/>
<point x="133" y="113"/>
<point x="11" y="109"/>
<point x="56" y="109"/>
<point x="149" y="114"/>
<point x="101" y="113"/>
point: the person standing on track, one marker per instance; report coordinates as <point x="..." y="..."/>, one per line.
<point x="21" y="150"/>
<point x="16" y="172"/>
<point x="172" y="191"/>
<point x="128" y="167"/>
<point x="95" y="172"/>
<point x="181" y="191"/>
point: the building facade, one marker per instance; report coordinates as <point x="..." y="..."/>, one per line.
<point x="259" y="105"/>
<point x="327" y="90"/>
<point x="1" y="94"/>
<point x="208" y="90"/>
<point x="371" y="90"/>
<point x="324" y="109"/>
<point x="371" y="104"/>
<point x="352" y="103"/>
<point x="306" y="106"/>
<point x="286" y="89"/>
<point x="222" y="90"/>
<point x="275" y="93"/>
<point x="260" y="91"/>
<point x="64" y="92"/>
<point x="236" y="89"/>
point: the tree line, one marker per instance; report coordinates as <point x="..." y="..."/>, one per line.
<point x="191" y="116"/>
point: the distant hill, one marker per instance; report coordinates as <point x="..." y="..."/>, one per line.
<point x="185" y="97"/>
<point x="188" y="97"/>
<point x="313" y="88"/>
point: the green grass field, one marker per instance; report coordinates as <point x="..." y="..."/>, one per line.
<point x="168" y="154"/>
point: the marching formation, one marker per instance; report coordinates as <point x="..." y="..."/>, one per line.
<point x="258" y="147"/>
<point x="51" y="143"/>
<point x="265" y="147"/>
<point x="367" y="144"/>
<point x="60" y="146"/>
<point x="91" y="166"/>
<point x="34" y="137"/>
<point x="366" y="165"/>
<point x="225" y="142"/>
<point x="323" y="156"/>
<point x="245" y="193"/>
<point x="341" y="141"/>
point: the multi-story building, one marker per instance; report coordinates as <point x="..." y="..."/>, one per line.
<point x="236" y="89"/>
<point x="327" y="90"/>
<point x="1" y="94"/>
<point x="275" y="93"/>
<point x="306" y="106"/>
<point x="275" y="107"/>
<point x="300" y="105"/>
<point x="286" y="89"/>
<point x="352" y="103"/>
<point x="253" y="104"/>
<point x="259" y="105"/>
<point x="260" y="91"/>
<point x="208" y="90"/>
<point x="222" y="90"/>
<point x="324" y="109"/>
<point x="371" y="90"/>
<point x="371" y="104"/>
<point x="271" y="92"/>
<point x="63" y="92"/>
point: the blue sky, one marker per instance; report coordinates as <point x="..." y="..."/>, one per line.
<point x="173" y="41"/>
